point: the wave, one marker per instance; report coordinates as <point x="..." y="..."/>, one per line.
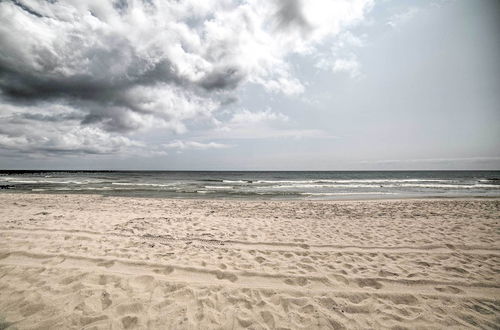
<point x="243" y="189"/>
<point x="353" y="181"/>
<point x="237" y="181"/>
<point x="47" y="181"/>
<point x="250" y="193"/>
<point x="38" y="181"/>
<point x="260" y="185"/>
<point x="22" y="181"/>
<point x="492" y="181"/>
<point x="144" y="184"/>
<point x="349" y="193"/>
<point x="455" y="186"/>
<point x="219" y="187"/>
<point x="77" y="189"/>
<point x="405" y="185"/>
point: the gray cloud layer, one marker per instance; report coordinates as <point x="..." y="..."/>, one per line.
<point x="95" y="70"/>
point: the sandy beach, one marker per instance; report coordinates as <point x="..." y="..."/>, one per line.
<point x="93" y="262"/>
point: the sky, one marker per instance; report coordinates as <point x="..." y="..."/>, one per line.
<point x="250" y="84"/>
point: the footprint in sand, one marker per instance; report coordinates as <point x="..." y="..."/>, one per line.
<point x="300" y="281"/>
<point x="42" y="213"/>
<point x="105" y="300"/>
<point x="226" y="276"/>
<point x="86" y="320"/>
<point x="448" y="289"/>
<point x="385" y="273"/>
<point x="129" y="308"/>
<point x="165" y="270"/>
<point x="260" y="259"/>
<point x="268" y="319"/>
<point x="368" y="282"/>
<point x="340" y="278"/>
<point x="70" y="279"/>
<point x="104" y="279"/>
<point x="456" y="270"/>
<point x="143" y="282"/>
<point x="106" y="264"/>
<point x="450" y="246"/>
<point x="29" y="309"/>
<point x="129" y="322"/>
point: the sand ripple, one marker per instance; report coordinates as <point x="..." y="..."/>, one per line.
<point x="89" y="262"/>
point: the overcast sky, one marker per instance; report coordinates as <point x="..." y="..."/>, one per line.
<point x="256" y="84"/>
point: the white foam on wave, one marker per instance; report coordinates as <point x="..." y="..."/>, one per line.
<point x="22" y="181"/>
<point x="454" y="186"/>
<point x="143" y="184"/>
<point x="384" y="180"/>
<point x="349" y="193"/>
<point x="53" y="181"/>
<point x="352" y="181"/>
<point x="402" y="185"/>
<point x="219" y="187"/>
<point x="321" y="186"/>
<point x="79" y="188"/>
<point x="493" y="181"/>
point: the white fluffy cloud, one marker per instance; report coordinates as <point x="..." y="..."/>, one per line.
<point x="349" y="65"/>
<point x="340" y="57"/>
<point x="262" y="125"/>
<point x="127" y="65"/>
<point x="183" y="145"/>
<point x="50" y="129"/>
<point x="403" y="17"/>
<point x="246" y="117"/>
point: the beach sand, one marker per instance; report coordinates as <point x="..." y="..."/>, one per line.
<point x="93" y="262"/>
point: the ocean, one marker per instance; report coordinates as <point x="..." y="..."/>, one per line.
<point x="258" y="184"/>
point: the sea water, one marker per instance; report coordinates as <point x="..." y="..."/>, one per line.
<point x="258" y="184"/>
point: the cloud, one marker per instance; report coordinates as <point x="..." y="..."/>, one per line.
<point x="183" y="145"/>
<point x="130" y="65"/>
<point x="55" y="131"/>
<point x="433" y="160"/>
<point x="290" y="15"/>
<point x="266" y="124"/>
<point x="348" y="40"/>
<point x="340" y="58"/>
<point x="347" y="65"/>
<point x="246" y="117"/>
<point x="403" y="17"/>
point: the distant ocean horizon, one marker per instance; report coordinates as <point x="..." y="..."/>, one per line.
<point x="301" y="185"/>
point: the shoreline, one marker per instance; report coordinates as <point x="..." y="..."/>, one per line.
<point x="82" y="261"/>
<point x="263" y="199"/>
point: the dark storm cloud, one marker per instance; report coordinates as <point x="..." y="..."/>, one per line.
<point x="28" y="87"/>
<point x="95" y="83"/>
<point x="51" y="118"/>
<point x="27" y="9"/>
<point x="290" y="15"/>
<point x="120" y="5"/>
<point x="112" y="68"/>
<point x="226" y="78"/>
